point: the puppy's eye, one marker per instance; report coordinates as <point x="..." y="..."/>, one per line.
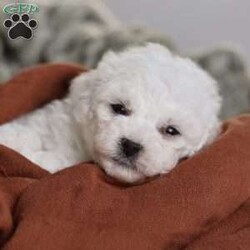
<point x="120" y="109"/>
<point x="170" y="130"/>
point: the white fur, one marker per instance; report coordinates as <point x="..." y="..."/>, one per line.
<point x="158" y="87"/>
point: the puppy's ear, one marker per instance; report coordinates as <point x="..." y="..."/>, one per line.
<point x="80" y="96"/>
<point x="213" y="132"/>
<point x="211" y="123"/>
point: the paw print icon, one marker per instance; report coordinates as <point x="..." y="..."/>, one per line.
<point x="20" y="26"/>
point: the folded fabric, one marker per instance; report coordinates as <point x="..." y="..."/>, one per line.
<point x="204" y="203"/>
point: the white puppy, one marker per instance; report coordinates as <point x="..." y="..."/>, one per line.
<point x="136" y="115"/>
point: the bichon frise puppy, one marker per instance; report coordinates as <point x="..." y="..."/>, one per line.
<point x="136" y="115"/>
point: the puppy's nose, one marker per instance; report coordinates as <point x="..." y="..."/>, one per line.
<point x="130" y="148"/>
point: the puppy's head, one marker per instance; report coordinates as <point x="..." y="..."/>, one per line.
<point x="143" y="110"/>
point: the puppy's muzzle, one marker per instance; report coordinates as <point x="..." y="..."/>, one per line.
<point x="130" y="149"/>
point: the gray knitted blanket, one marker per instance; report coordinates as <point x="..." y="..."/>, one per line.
<point x="82" y="31"/>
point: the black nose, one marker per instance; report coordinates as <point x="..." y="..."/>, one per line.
<point x="130" y="148"/>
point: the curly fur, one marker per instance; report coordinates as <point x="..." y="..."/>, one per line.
<point x="159" y="88"/>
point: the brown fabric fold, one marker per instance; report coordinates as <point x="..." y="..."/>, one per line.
<point x="201" y="204"/>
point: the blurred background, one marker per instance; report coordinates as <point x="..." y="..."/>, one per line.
<point x="214" y="33"/>
<point x="192" y="24"/>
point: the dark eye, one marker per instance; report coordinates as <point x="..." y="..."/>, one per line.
<point x="171" y="130"/>
<point x="120" y="109"/>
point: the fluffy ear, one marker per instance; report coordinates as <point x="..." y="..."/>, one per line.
<point x="212" y="132"/>
<point x="212" y="123"/>
<point x="80" y="96"/>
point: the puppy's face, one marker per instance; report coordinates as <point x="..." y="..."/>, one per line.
<point x="144" y="110"/>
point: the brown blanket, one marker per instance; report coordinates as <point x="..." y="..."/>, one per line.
<point x="203" y="204"/>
